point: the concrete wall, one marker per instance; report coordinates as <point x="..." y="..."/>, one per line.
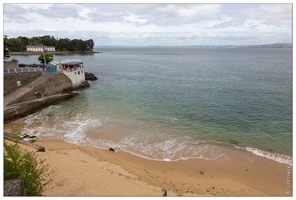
<point x="57" y="83"/>
<point x="77" y="77"/>
<point x="26" y="108"/>
<point x="10" y="80"/>
<point x="11" y="65"/>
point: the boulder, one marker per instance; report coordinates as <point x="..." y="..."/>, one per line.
<point x="90" y="76"/>
<point x="112" y="149"/>
<point x="14" y="187"/>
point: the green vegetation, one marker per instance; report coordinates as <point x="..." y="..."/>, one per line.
<point x="6" y="52"/>
<point x="19" y="44"/>
<point x="23" y="164"/>
<point x="48" y="58"/>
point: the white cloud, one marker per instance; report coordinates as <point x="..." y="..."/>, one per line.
<point x="147" y="24"/>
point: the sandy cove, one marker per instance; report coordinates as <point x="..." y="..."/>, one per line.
<point x="89" y="171"/>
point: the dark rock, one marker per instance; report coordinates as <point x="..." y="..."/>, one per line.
<point x="90" y="76"/>
<point x="85" y="84"/>
<point x="111" y="149"/>
<point x="14" y="188"/>
<point x="37" y="147"/>
<point x="165" y="192"/>
<point x="40" y="148"/>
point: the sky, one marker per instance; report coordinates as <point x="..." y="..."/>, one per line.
<point x="152" y="24"/>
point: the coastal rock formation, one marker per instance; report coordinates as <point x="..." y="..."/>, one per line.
<point x="90" y="76"/>
<point x="35" y="146"/>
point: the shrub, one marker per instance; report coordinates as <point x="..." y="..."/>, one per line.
<point x="14" y="60"/>
<point x="24" y="164"/>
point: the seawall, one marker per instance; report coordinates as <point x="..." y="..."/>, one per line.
<point x="24" y="109"/>
<point x="10" y="80"/>
<point x="44" y="93"/>
<point x="56" y="84"/>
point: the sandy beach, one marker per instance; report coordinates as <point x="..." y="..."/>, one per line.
<point x="88" y="171"/>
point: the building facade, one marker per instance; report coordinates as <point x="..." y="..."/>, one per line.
<point x="39" y="48"/>
<point x="73" y="68"/>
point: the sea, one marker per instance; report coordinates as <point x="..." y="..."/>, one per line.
<point x="177" y="103"/>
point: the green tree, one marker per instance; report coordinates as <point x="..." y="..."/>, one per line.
<point x="48" y="58"/>
<point x="6" y="51"/>
<point x="90" y="44"/>
<point x="82" y="45"/>
<point x="25" y="165"/>
<point x="24" y="43"/>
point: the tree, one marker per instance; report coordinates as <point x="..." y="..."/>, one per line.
<point x="90" y="44"/>
<point x="48" y="58"/>
<point x="24" y="43"/>
<point x="82" y="45"/>
<point x="6" y="51"/>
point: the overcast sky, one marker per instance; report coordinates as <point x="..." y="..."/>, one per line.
<point x="152" y="24"/>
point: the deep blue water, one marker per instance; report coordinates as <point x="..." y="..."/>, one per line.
<point x="177" y="103"/>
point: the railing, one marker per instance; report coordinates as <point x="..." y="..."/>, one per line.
<point x="22" y="70"/>
<point x="73" y="69"/>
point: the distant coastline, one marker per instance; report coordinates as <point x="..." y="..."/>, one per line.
<point x="274" y="45"/>
<point x="54" y="53"/>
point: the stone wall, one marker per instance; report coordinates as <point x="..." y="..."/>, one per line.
<point x="10" y="80"/>
<point x="56" y="84"/>
<point x="11" y="65"/>
<point x="26" y="108"/>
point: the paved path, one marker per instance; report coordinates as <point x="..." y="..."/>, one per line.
<point x="25" y="88"/>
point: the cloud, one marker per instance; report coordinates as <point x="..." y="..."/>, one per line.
<point x="270" y="14"/>
<point x="14" y="13"/>
<point x="145" y="24"/>
<point x="58" y="11"/>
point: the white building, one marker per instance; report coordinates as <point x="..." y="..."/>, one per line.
<point x="72" y="68"/>
<point x="39" y="48"/>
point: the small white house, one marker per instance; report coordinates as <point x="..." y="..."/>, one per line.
<point x="39" y="48"/>
<point x="72" y="68"/>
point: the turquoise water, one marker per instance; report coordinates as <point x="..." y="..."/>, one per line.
<point x="178" y="103"/>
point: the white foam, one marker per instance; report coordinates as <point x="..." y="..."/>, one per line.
<point x="167" y="148"/>
<point x="71" y="129"/>
<point x="273" y="156"/>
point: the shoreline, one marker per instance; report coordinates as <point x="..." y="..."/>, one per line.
<point x="240" y="174"/>
<point x="54" y="53"/>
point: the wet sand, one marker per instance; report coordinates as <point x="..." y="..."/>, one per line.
<point x="89" y="171"/>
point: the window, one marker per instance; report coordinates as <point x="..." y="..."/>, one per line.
<point x="78" y="72"/>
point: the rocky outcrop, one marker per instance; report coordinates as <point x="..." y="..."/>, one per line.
<point x="35" y="146"/>
<point x="90" y="76"/>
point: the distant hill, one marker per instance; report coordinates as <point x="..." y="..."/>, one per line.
<point x="275" y="45"/>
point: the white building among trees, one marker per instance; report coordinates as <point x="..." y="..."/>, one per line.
<point x="39" y="48"/>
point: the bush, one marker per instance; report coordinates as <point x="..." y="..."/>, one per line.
<point x="24" y="164"/>
<point x="14" y="60"/>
